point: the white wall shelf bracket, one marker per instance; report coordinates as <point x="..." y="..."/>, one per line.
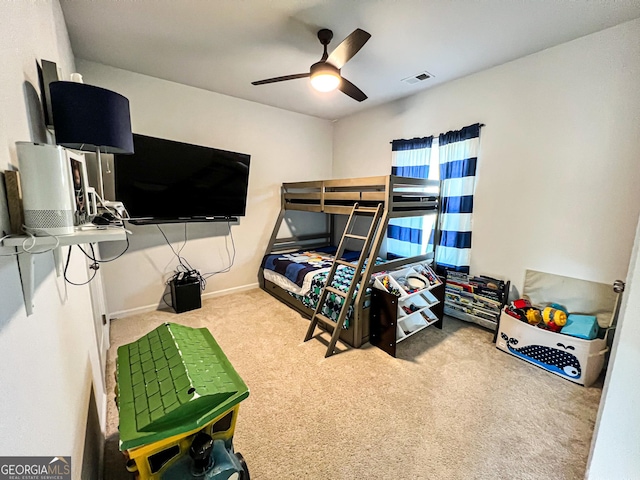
<point x="26" y="260"/>
<point x="26" y="264"/>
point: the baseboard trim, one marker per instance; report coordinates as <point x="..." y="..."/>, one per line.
<point x="151" y="308"/>
<point x="132" y="311"/>
<point x="229" y="291"/>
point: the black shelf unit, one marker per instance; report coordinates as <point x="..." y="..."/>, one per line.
<point x="468" y="298"/>
<point x="389" y="324"/>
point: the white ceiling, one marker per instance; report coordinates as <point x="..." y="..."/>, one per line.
<point x="224" y="45"/>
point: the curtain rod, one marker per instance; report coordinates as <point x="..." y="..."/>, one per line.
<point x="435" y="136"/>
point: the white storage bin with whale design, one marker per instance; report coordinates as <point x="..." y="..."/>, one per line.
<point x="572" y="358"/>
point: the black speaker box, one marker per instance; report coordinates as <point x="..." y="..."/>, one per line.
<point x="185" y="294"/>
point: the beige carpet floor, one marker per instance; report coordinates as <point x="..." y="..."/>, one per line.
<point x="451" y="406"/>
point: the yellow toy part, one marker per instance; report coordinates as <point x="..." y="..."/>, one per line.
<point x="533" y="316"/>
<point x="556" y="316"/>
<point x="143" y="461"/>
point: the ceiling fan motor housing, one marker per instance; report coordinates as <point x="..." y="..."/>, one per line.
<point x="323" y="68"/>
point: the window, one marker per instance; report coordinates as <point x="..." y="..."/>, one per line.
<point x="160" y="459"/>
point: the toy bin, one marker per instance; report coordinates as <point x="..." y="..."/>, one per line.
<point x="576" y="359"/>
<point x="573" y="358"/>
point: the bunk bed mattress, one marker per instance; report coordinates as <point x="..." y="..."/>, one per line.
<point x="333" y="304"/>
<point x="286" y="284"/>
<point x="304" y="280"/>
<point x="295" y="271"/>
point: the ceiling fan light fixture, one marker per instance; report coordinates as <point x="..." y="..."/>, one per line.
<point x="325" y="77"/>
<point x="325" y="82"/>
<point x="325" y="74"/>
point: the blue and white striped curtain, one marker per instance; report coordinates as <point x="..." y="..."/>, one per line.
<point x="458" y="152"/>
<point x="405" y="236"/>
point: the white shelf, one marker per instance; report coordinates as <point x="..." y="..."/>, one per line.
<point x="26" y="258"/>
<point x="410" y="325"/>
<point x="395" y="276"/>
<point x="414" y="323"/>
<point x="472" y="306"/>
<point x="428" y="300"/>
<point x="467" y="301"/>
<point x="470" y="318"/>
<point x="479" y="300"/>
<point x="96" y="235"/>
<point x="405" y="335"/>
<point x="432" y="316"/>
<point x="395" y="285"/>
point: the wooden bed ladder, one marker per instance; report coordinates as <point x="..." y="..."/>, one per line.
<point x="317" y="316"/>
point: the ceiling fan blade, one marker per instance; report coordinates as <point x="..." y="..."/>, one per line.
<point x="350" y="89"/>
<point x="348" y="48"/>
<point x="281" y="79"/>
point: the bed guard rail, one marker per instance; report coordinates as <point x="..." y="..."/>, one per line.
<point x="282" y="245"/>
<point x="400" y="262"/>
<point x="400" y="196"/>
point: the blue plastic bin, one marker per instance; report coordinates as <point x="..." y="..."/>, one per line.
<point x="581" y="326"/>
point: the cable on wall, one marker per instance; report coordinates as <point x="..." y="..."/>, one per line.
<point x="29" y="249"/>
<point x="232" y="257"/>
<point x="181" y="260"/>
<point x="184" y="268"/>
<point x="93" y="258"/>
<point x="94" y="267"/>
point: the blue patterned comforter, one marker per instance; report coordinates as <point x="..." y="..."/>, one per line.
<point x="333" y="304"/>
<point x="296" y="265"/>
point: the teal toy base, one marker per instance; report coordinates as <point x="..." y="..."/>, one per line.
<point x="227" y="465"/>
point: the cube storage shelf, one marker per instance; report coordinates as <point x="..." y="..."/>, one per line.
<point x="400" y="310"/>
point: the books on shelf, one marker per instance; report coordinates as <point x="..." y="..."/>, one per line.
<point x="478" y="312"/>
<point x="479" y="296"/>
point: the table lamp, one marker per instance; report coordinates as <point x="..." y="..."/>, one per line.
<point x="90" y="118"/>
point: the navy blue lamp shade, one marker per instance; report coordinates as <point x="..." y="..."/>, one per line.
<point x="91" y="118"/>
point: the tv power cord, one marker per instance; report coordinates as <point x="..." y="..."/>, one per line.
<point x="185" y="270"/>
<point x="95" y="265"/>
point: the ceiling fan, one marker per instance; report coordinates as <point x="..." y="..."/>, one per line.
<point x="325" y="74"/>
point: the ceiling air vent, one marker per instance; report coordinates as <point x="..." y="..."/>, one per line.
<point x="420" y="77"/>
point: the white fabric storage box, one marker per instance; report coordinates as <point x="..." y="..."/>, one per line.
<point x="575" y="359"/>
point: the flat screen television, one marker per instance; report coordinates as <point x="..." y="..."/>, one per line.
<point x="166" y="181"/>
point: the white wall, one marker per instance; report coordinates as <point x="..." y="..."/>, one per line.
<point x="284" y="146"/>
<point x="46" y="374"/>
<point x="558" y="171"/>
<point x="616" y="445"/>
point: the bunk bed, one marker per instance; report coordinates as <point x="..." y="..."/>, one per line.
<point x="294" y="268"/>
